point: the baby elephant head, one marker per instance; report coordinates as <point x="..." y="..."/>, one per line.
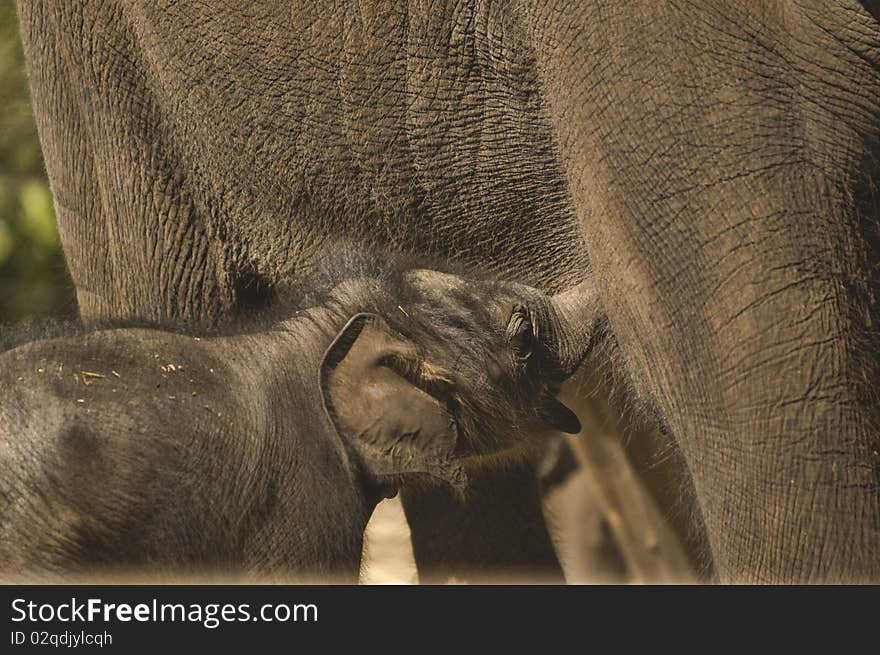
<point x="453" y="369"/>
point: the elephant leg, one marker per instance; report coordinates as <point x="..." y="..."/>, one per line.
<point x="497" y="533"/>
<point x="631" y="451"/>
<point x="624" y="477"/>
<point x="726" y="185"/>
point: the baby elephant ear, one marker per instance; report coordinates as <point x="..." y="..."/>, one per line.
<point x="375" y="392"/>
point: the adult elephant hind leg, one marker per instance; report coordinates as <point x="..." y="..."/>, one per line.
<point x="497" y="534"/>
<point x="726" y="179"/>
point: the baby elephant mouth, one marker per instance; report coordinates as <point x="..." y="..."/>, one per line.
<point x="557" y="416"/>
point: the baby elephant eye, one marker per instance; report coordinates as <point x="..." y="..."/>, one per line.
<point x="521" y="332"/>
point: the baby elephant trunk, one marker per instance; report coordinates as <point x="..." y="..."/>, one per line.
<point x="577" y="312"/>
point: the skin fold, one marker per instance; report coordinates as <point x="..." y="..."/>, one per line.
<point x="714" y="164"/>
<point x="260" y="452"/>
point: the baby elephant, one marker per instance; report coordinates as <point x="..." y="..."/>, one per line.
<point x="262" y="452"/>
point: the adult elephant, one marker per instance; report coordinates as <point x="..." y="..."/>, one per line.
<point x="715" y="163"/>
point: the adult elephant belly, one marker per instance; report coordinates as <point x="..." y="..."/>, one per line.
<point x="213" y="152"/>
<point x="200" y="155"/>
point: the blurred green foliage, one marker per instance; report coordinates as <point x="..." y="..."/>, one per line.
<point x="33" y="278"/>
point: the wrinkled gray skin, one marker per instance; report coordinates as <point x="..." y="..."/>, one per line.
<point x="716" y="163"/>
<point x="262" y="452"/>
